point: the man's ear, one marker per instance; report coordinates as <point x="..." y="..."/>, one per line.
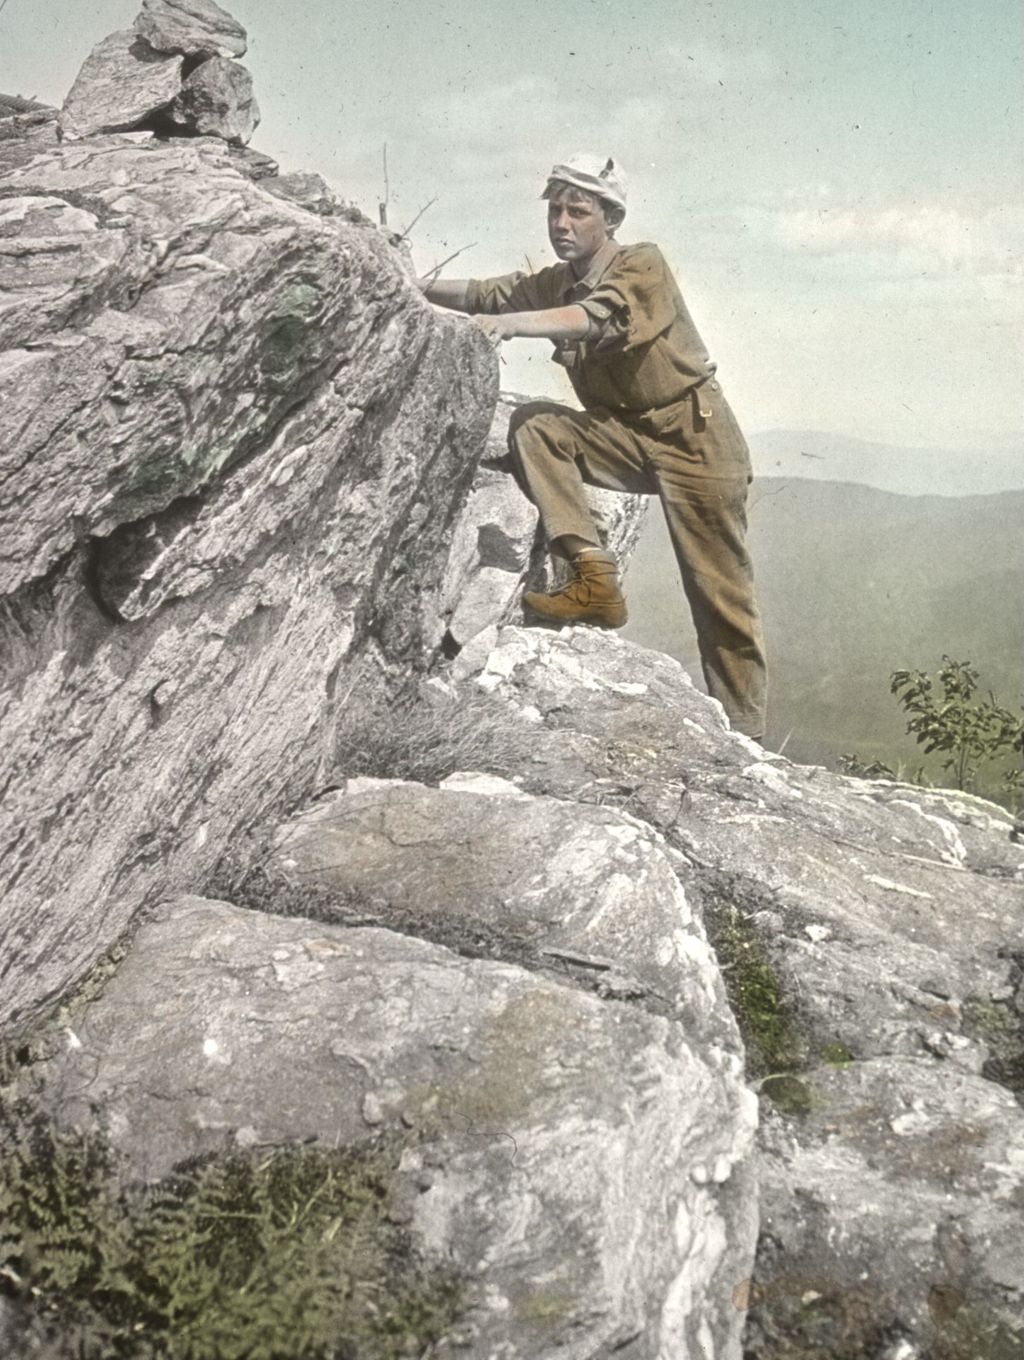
<point x="614" y="216"/>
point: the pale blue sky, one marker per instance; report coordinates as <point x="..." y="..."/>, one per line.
<point x="837" y="185"/>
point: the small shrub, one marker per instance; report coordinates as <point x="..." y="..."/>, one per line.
<point x="967" y="731"/>
<point x="971" y="733"/>
<point x="850" y="763"/>
<point x="283" y="1254"/>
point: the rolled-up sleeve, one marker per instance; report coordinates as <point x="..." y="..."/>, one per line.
<point x="633" y="303"/>
<point x="509" y="293"/>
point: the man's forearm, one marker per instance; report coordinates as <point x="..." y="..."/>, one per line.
<point x="553" y="323"/>
<point x="446" y="292"/>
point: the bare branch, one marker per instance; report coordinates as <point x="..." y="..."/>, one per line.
<point x="409" y="228"/>
<point x="383" y="205"/>
<point x="433" y="273"/>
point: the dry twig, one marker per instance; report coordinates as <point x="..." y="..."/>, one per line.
<point x="383" y="205"/>
<point x="433" y="273"/>
<point x="407" y="231"/>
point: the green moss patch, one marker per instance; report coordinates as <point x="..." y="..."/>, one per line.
<point x="268" y="1254"/>
<point x="996" y="1024"/>
<point x="766" y="1018"/>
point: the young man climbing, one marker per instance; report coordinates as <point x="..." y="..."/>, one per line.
<point x="654" y="421"/>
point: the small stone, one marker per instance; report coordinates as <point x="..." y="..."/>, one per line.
<point x="373" y="1111"/>
<point x="936" y="986"/>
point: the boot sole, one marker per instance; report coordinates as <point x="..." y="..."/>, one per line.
<point x="598" y="620"/>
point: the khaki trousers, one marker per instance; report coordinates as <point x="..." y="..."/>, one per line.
<point x="694" y="458"/>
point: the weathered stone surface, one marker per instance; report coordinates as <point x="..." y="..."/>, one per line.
<point x="497" y="544"/>
<point x="310" y="191"/>
<point x="216" y="100"/>
<point x="556" y="881"/>
<point x="122" y="82"/>
<point x="193" y="27"/>
<point x="581" y="1161"/>
<point x="913" y="1178"/>
<point x="892" y="917"/>
<point x="218" y="414"/>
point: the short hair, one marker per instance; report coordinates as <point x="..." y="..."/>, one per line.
<point x="614" y="214"/>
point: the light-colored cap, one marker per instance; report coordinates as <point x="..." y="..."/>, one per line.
<point x="599" y="175"/>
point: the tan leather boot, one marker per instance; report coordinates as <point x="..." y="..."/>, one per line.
<point x="592" y="595"/>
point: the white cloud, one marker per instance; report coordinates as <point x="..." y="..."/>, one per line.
<point x="910" y="239"/>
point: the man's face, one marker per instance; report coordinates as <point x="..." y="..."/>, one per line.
<point x="576" y="226"/>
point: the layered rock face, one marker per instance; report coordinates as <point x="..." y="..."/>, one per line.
<point x="232" y="446"/>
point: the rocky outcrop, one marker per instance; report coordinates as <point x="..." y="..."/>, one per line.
<point x="234" y="445"/>
<point x="233" y="442"/>
<point x="870" y="933"/>
<point x="881" y="1041"/>
<point x="584" y="1163"/>
<point x="239" y="524"/>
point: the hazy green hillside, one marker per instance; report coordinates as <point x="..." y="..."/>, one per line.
<point x="855" y="583"/>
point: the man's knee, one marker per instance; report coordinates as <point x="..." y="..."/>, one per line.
<point x="540" y="425"/>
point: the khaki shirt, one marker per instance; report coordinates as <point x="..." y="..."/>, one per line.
<point x="643" y="353"/>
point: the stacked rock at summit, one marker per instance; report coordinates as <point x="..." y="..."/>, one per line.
<point x="216" y="100"/>
<point x="195" y="28"/>
<point x="122" y="83"/>
<point x="173" y="71"/>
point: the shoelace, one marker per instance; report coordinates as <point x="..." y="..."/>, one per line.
<point x="583" y="581"/>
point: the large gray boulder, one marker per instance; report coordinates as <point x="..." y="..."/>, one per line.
<point x="549" y="880"/>
<point x="216" y="100"/>
<point x="583" y="1163"/>
<point x="233" y="439"/>
<point x="122" y="82"/>
<point x="871" y="935"/>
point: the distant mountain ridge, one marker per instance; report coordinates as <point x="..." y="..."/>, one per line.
<point x="855" y="583"/>
<point x="819" y="456"/>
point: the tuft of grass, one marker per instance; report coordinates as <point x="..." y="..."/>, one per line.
<point x="428" y="737"/>
<point x="291" y="1253"/>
